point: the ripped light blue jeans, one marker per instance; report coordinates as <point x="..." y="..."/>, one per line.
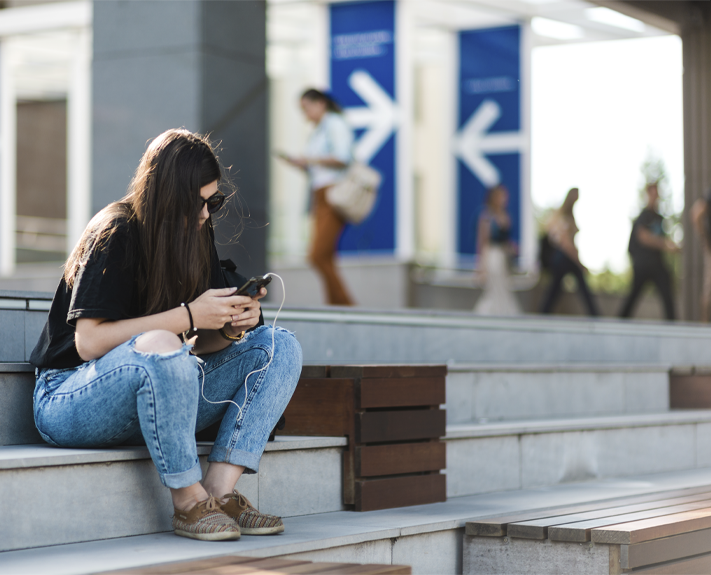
<point x="128" y="397"/>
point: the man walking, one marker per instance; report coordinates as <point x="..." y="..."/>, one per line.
<point x="647" y="244"/>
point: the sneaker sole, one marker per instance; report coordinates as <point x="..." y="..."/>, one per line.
<point x="262" y="530"/>
<point x="221" y="536"/>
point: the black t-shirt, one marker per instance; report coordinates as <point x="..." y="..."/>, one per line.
<point x="641" y="254"/>
<point x="105" y="287"/>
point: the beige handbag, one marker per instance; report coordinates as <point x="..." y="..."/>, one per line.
<point x="354" y="196"/>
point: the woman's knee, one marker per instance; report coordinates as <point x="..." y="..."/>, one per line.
<point x="158" y="341"/>
<point x="285" y="342"/>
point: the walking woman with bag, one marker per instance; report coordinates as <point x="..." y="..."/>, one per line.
<point x="112" y="368"/>
<point x="328" y="155"/>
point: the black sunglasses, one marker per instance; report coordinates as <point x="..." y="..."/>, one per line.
<point x="214" y="202"/>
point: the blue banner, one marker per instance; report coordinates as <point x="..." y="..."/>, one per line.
<point x="490" y="141"/>
<point x="362" y="72"/>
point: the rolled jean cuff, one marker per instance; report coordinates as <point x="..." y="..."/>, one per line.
<point x="249" y="461"/>
<point x="182" y="479"/>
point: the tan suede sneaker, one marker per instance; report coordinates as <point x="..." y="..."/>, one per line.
<point x="206" y="521"/>
<point x="250" y="521"/>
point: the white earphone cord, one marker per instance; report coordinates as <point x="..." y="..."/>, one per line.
<point x="271" y="357"/>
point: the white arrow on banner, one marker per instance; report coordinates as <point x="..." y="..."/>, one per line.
<point x="379" y="117"/>
<point x="473" y="142"/>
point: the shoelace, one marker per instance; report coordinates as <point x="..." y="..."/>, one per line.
<point x="210" y="504"/>
<point x="242" y="501"/>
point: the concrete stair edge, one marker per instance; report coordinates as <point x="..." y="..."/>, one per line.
<point x="554" y="425"/>
<point x="70" y="496"/>
<point x="429" y="526"/>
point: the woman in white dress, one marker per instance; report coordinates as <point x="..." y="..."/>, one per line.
<point x="495" y="247"/>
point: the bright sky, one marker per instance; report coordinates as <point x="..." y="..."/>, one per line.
<point x="598" y="109"/>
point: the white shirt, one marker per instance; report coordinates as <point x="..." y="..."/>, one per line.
<point x="332" y="138"/>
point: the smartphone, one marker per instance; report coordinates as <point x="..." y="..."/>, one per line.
<point x="253" y="285"/>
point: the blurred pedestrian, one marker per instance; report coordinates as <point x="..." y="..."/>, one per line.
<point x="648" y="242"/>
<point x="701" y="218"/>
<point x="495" y="249"/>
<point x="564" y="258"/>
<point x="328" y="155"/>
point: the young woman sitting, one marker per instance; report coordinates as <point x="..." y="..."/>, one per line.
<point x="145" y="344"/>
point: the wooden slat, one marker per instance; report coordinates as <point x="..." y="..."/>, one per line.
<point x="382" y="426"/>
<point x="315" y="568"/>
<point x="232" y="570"/>
<point x="236" y="565"/>
<point x="580" y="532"/>
<point x="182" y="567"/>
<point x="690" y="391"/>
<point x="319" y="371"/>
<point x="366" y="371"/>
<point x="694" y="566"/>
<point x="400" y="491"/>
<point x="557" y="526"/>
<point x="274" y="563"/>
<point x="370" y="569"/>
<point x="320" y="407"/>
<point x="400" y="392"/>
<point x="374" y="460"/>
<point x="269" y="565"/>
<point x="648" y="529"/>
<point x="498" y="526"/>
<point x="667" y="549"/>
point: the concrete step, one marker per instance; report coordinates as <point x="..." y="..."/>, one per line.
<point x="53" y="496"/>
<point x="428" y="537"/>
<point x="22" y="316"/>
<point x="347" y="335"/>
<point x="476" y="393"/>
<point x="17" y="424"/>
<point x="535" y="453"/>
<point x="479" y="393"/>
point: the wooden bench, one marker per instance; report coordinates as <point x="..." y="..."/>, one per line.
<point x="690" y="388"/>
<point x="234" y="565"/>
<point x="393" y="421"/>
<point x="660" y="533"/>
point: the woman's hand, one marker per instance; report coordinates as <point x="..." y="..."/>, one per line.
<point x="247" y="316"/>
<point x="217" y="307"/>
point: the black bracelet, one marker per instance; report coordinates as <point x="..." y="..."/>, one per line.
<point x="190" y="315"/>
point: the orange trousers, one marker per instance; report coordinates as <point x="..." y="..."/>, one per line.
<point x="327" y="229"/>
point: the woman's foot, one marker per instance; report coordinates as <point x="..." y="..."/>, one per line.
<point x="205" y="521"/>
<point x="250" y="521"/>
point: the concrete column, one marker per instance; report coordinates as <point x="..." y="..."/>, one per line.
<point x="8" y="161"/>
<point x="696" y="38"/>
<point x="234" y="109"/>
<point x="404" y="90"/>
<point x="196" y="64"/>
<point x="79" y="141"/>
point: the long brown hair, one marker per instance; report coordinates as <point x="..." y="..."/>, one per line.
<point x="163" y="202"/>
<point x="315" y="95"/>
